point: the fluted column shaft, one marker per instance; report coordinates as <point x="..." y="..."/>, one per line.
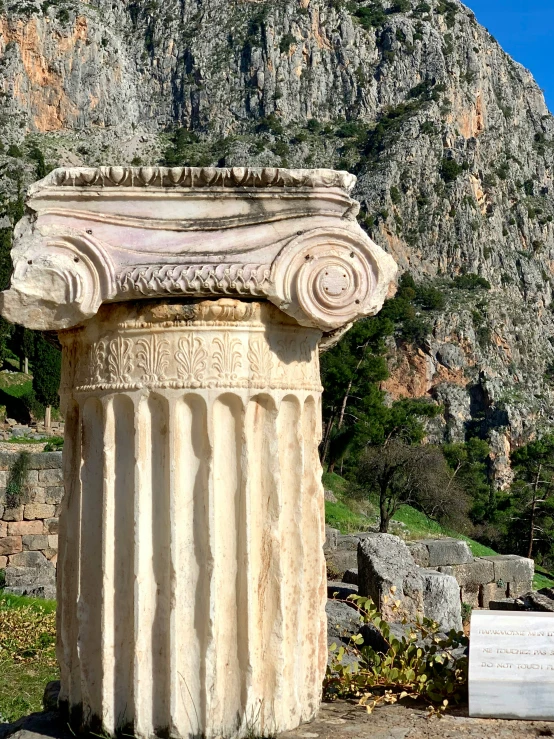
<point x="191" y="569"/>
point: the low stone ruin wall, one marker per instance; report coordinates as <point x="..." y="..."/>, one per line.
<point x="481" y="580"/>
<point x="29" y="511"/>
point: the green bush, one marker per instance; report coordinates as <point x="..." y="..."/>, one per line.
<point x="16" y="479"/>
<point x="450" y="170"/>
<point x="421" y="664"/>
<point x="371" y="16"/>
<point x="395" y="195"/>
<point x="286" y="42"/>
<point x="470" y="282"/>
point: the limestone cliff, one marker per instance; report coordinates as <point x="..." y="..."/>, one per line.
<point x="450" y="138"/>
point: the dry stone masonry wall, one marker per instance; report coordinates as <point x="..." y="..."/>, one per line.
<point x="29" y="523"/>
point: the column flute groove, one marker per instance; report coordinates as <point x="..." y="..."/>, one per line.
<point x="191" y="305"/>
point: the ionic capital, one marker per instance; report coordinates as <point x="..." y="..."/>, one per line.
<point x="94" y="236"/>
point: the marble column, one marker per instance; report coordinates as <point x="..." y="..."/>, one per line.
<point x="191" y="578"/>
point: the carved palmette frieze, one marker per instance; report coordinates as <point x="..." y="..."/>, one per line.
<point x="191" y="359"/>
<point x="213" y="344"/>
<point x="198" y="359"/>
<point x="153" y="358"/>
<point x="120" y="360"/>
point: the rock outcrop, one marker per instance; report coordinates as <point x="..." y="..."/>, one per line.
<point x="450" y="138"/>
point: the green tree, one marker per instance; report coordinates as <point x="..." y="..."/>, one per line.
<point x="46" y="374"/>
<point x="417" y="474"/>
<point x="531" y="514"/>
<point x="468" y="462"/>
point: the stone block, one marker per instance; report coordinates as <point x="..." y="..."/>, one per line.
<point x="24" y="528"/>
<point x="13" y="514"/>
<point x="34" y="590"/>
<point x="330" y="539"/>
<point x="351" y="576"/>
<point x="340" y="590"/>
<point x="38" y="510"/>
<point x="3" y="478"/>
<point x="441" y="600"/>
<point x="31" y="560"/>
<point x="3" y="562"/>
<point x="444" y="552"/>
<point x="35" y="494"/>
<point x="50" y="554"/>
<point x="419" y="552"/>
<point x="347" y="542"/>
<point x="53" y="541"/>
<point x="54" y="494"/>
<point x="51" y="525"/>
<point x="539" y="601"/>
<point x="511" y="568"/>
<point x="471" y="595"/>
<point x="50" y="476"/>
<point x="3" y="529"/>
<point x="1" y="511"/>
<point x="35" y="542"/>
<point x="340" y="561"/>
<point x="32" y="478"/>
<point x="477" y="572"/>
<point x="492" y="591"/>
<point x="507" y="604"/>
<point x="384" y="563"/>
<point x="10" y="545"/>
<point x="343" y="621"/>
<point x="517" y="589"/>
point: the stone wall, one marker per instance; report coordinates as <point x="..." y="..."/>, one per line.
<point x="481" y="580"/>
<point x="29" y="530"/>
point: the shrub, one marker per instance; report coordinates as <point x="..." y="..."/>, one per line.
<point x="395" y="195"/>
<point x="401" y="6"/>
<point x="421" y="664"/>
<point x="371" y="16"/>
<point x="470" y="282"/>
<point x="429" y="298"/>
<point x="14" y="151"/>
<point x="450" y="170"/>
<point x="286" y="42"/>
<point x="16" y="479"/>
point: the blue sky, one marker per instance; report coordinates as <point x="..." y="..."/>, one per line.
<point x="525" y="29"/>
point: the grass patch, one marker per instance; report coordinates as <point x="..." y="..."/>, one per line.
<point x="27" y="654"/>
<point x="340" y="516"/>
<point x="24" y="440"/>
<point x="15" y="384"/>
<point x="335" y="483"/>
<point x="543" y="578"/>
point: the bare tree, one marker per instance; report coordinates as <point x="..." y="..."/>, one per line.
<point x="415" y="474"/>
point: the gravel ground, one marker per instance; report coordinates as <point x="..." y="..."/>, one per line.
<point x="342" y="720"/>
<point x="5" y="446"/>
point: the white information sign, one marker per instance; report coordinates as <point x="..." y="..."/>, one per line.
<point x="511" y="665"/>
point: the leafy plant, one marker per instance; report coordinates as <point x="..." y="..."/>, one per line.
<point x="16" y="479"/>
<point x="421" y="664"/>
<point x="471" y="281"/>
<point x="54" y="444"/>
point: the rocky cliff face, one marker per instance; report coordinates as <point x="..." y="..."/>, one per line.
<point x="451" y="140"/>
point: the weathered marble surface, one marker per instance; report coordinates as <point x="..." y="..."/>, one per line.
<point x="511" y="666"/>
<point x="191" y="575"/>
<point x="121" y="233"/>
